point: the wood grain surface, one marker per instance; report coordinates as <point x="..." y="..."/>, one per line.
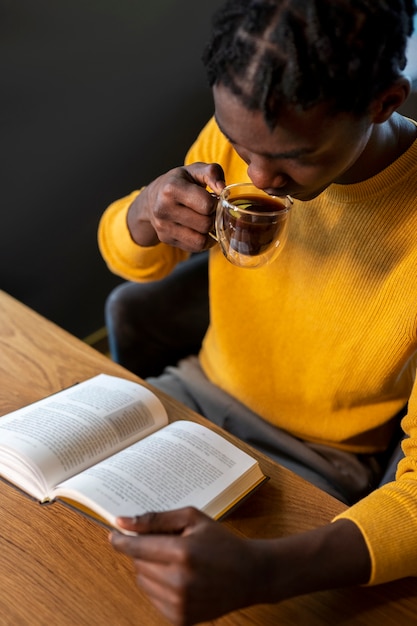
<point x="57" y="567"/>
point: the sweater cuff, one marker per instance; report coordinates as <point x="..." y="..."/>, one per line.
<point x="385" y="519"/>
<point x="126" y="258"/>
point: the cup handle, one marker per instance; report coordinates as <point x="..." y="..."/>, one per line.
<point x="212" y="232"/>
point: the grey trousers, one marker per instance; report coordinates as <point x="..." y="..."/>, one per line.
<point x="344" y="475"/>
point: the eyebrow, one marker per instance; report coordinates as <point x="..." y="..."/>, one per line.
<point x="290" y="154"/>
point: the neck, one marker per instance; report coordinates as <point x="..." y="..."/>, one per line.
<point x="387" y="142"/>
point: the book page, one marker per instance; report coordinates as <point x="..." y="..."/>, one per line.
<point x="182" y="464"/>
<point x="75" y="428"/>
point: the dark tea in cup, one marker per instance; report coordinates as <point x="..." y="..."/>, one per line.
<point x="251" y="226"/>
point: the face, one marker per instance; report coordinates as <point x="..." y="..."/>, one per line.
<point x="303" y="154"/>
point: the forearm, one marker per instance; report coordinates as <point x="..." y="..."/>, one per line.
<point x="328" y="557"/>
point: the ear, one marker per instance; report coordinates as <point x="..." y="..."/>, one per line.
<point x="390" y="100"/>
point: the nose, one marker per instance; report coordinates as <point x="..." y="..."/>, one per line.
<point x="264" y="176"/>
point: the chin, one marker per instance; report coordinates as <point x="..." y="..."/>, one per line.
<point x="305" y="196"/>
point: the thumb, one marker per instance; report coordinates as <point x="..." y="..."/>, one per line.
<point x="208" y="175"/>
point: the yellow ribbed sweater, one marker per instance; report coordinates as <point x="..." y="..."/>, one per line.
<point x="323" y="342"/>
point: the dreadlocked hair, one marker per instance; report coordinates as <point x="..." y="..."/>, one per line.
<point x="272" y="53"/>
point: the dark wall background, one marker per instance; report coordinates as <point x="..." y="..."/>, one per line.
<point x="97" y="98"/>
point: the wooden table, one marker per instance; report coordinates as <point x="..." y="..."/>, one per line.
<point x="57" y="567"/>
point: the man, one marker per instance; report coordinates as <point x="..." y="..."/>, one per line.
<point x="315" y="353"/>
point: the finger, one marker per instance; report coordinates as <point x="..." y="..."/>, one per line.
<point x="185" y="238"/>
<point x="165" y="549"/>
<point x="196" y="217"/>
<point x="174" y="521"/>
<point x="162" y="595"/>
<point x="188" y="194"/>
<point x="157" y="578"/>
<point x="183" y="214"/>
<point x="162" y="584"/>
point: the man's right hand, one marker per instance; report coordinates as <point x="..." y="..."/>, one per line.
<point x="176" y="208"/>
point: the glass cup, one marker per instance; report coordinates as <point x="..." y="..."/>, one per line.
<point x="251" y="226"/>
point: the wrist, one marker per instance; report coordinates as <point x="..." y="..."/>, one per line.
<point x="139" y="226"/>
<point x="328" y="557"/>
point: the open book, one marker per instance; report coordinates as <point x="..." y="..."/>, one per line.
<point x="105" y="447"/>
